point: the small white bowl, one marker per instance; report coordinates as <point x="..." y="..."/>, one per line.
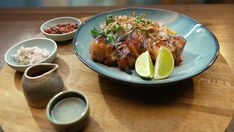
<point x="44" y="43"/>
<point x="53" y="22"/>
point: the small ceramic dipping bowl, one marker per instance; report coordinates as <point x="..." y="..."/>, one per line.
<point x="68" y="111"/>
<point x="60" y="20"/>
<point x="43" y="43"/>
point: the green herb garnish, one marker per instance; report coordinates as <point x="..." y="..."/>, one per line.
<point x="139" y="18"/>
<point x="109" y="19"/>
<point x="95" y="33"/>
<point x="110" y="38"/>
<point x="116" y="28"/>
<point x="108" y="31"/>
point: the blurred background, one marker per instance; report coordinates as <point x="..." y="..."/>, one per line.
<point x="53" y="3"/>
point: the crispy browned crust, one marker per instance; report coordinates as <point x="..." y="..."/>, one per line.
<point x="124" y="54"/>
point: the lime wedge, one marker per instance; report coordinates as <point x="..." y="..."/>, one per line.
<point x="144" y="65"/>
<point x="164" y="64"/>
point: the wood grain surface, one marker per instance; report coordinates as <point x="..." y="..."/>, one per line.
<point x="203" y="103"/>
<point x="206" y="101"/>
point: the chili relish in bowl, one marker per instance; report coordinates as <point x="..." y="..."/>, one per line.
<point x="61" y="28"/>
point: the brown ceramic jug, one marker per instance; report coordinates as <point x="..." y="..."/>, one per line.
<point x="40" y="83"/>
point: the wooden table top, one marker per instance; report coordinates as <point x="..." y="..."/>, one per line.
<point x="204" y="103"/>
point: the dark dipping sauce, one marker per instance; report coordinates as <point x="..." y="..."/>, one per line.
<point x="61" y="28"/>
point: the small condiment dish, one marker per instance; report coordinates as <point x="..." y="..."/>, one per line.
<point x="68" y="111"/>
<point x="60" y="20"/>
<point x="43" y="43"/>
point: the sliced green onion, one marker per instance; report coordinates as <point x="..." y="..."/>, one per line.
<point x="108" y="31"/>
<point x="110" y="38"/>
<point x="116" y="28"/>
<point x="139" y="18"/>
<point x="109" y="19"/>
<point x="140" y="21"/>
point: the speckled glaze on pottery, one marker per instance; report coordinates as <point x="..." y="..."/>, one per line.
<point x="71" y="126"/>
<point x="40" y="83"/>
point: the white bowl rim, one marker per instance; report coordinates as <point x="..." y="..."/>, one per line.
<point x="23" y="41"/>
<point x="57" y="18"/>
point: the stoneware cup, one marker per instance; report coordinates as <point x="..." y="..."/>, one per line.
<point x="79" y="122"/>
<point x="40" y="83"/>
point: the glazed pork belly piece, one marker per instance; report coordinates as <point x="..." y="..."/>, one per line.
<point x="121" y="39"/>
<point x="125" y="52"/>
<point x="102" y="52"/>
<point x="175" y="44"/>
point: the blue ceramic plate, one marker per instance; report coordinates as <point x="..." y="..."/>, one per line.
<point x="200" y="51"/>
